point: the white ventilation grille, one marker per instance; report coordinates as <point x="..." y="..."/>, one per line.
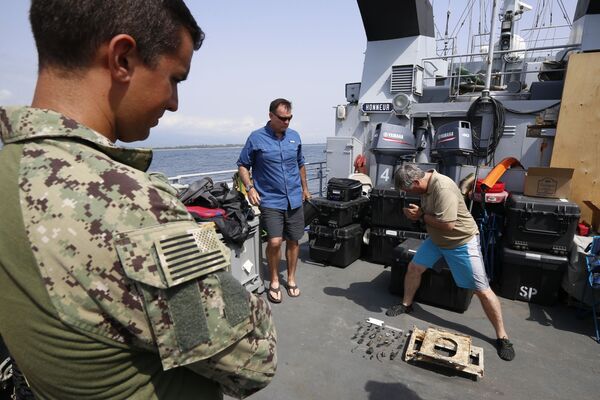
<point x="510" y="130"/>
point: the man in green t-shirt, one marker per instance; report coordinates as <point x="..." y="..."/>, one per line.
<point x="108" y="288"/>
<point x="453" y="234"/>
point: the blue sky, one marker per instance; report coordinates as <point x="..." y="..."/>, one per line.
<point x="254" y="51"/>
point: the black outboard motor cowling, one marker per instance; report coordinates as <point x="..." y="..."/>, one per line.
<point x="452" y="147"/>
<point x="391" y="145"/>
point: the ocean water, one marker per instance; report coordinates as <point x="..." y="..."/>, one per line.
<point x="174" y="162"/>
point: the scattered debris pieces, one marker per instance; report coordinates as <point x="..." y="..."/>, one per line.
<point x="375" y="339"/>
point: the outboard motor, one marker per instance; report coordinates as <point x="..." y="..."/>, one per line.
<point x="423" y="138"/>
<point x="391" y="145"/>
<point x="452" y="147"/>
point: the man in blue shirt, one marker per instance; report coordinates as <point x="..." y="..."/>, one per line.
<point x="274" y="153"/>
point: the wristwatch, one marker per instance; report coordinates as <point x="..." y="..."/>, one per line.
<point x="248" y="187"/>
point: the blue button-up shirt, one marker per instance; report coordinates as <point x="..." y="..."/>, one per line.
<point x="275" y="167"/>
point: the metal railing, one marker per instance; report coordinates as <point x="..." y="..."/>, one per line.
<point x="315" y="176"/>
<point x="456" y="63"/>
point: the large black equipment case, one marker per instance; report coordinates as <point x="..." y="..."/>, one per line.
<point x="536" y="223"/>
<point x="437" y="286"/>
<point x="531" y="276"/>
<point x="340" y="213"/>
<point x="382" y="242"/>
<point x="335" y="246"/>
<point x="386" y="209"/>
<point x="343" y="189"/>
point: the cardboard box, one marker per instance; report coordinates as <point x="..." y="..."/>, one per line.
<point x="548" y="182"/>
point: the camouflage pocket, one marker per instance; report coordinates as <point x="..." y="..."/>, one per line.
<point x="195" y="308"/>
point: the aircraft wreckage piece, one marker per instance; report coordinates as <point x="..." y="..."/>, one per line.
<point x="452" y="350"/>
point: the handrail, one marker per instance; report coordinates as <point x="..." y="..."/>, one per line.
<point x="178" y="178"/>
<point x="568" y="46"/>
<point x="315" y="172"/>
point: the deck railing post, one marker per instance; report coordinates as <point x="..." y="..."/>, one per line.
<point x="320" y="174"/>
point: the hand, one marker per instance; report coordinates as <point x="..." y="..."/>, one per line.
<point x="306" y="195"/>
<point x="413" y="212"/>
<point x="253" y="197"/>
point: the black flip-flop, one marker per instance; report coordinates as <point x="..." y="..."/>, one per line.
<point x="270" y="297"/>
<point x="290" y="288"/>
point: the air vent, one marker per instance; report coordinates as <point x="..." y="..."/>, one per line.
<point x="510" y="130"/>
<point x="402" y="79"/>
<point x="407" y="79"/>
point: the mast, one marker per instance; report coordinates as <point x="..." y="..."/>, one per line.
<point x="488" y="74"/>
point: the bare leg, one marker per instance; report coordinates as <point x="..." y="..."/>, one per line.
<point x="412" y="281"/>
<point x="492" y="309"/>
<point x="292" y="249"/>
<point x="273" y="258"/>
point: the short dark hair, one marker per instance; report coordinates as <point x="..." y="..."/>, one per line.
<point x="277" y="102"/>
<point x="406" y="175"/>
<point x="69" y="32"/>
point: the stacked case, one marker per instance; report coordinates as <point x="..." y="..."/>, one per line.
<point x="389" y="225"/>
<point x="335" y="236"/>
<point x="538" y="236"/>
<point x="437" y="285"/>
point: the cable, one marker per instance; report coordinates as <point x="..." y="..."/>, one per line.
<point x="565" y="14"/>
<point x="512" y="110"/>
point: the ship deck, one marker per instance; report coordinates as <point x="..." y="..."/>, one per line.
<point x="319" y="358"/>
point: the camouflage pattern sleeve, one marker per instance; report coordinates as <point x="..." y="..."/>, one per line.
<point x="201" y="317"/>
<point x="250" y="364"/>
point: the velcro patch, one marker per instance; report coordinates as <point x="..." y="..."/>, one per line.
<point x="166" y="255"/>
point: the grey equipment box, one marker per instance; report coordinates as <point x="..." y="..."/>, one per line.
<point x="246" y="260"/>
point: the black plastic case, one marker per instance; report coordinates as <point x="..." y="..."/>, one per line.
<point x="536" y="223"/>
<point x="343" y="189"/>
<point x="386" y="209"/>
<point x="382" y="242"/>
<point x="437" y="286"/>
<point x="340" y="213"/>
<point x="335" y="246"/>
<point x="531" y="276"/>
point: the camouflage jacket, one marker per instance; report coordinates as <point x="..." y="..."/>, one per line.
<point x="122" y="261"/>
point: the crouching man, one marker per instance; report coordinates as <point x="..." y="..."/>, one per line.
<point x="453" y="234"/>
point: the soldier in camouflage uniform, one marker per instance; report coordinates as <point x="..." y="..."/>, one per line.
<point x="108" y="288"/>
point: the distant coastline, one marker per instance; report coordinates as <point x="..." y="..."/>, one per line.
<point x="212" y="146"/>
<point x="196" y="146"/>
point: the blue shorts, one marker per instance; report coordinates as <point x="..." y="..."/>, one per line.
<point x="465" y="262"/>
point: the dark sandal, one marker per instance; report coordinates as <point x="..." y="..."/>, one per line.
<point x="276" y="291"/>
<point x="290" y="288"/>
